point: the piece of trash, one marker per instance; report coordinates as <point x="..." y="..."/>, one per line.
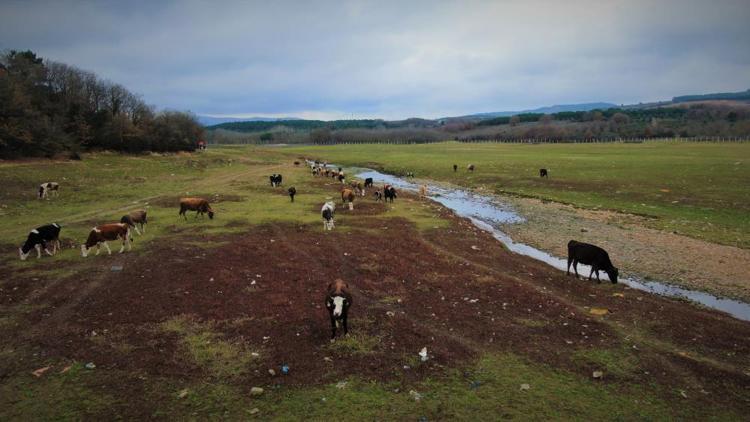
<point x="327" y="359"/>
<point x="415" y="395"/>
<point x="66" y="369"/>
<point x="211" y="279"/>
<point x="252" y="283"/>
<point x="390" y="313"/>
<point x="285" y="369"/>
<point x="341" y="385"/>
<point x="116" y="268"/>
<point x="256" y="391"/>
<point x="568" y="342"/>
<point x="38" y="373"/>
<point x="406" y="367"/>
<point x="618" y="295"/>
<point x="475" y="384"/>
<point x="183" y="393"/>
<point x="90" y="365"/>
<point x="598" y="374"/>
<point x="474" y="301"/>
<point x="254" y="354"/>
<point x="475" y="247"/>
<point x="272" y="372"/>
<point x="423" y="354"/>
<point x="253" y="411"/>
<point x="683" y="394"/>
<point x="525" y="387"/>
<point x="598" y="311"/>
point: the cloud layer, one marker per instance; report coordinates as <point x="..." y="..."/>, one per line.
<point x="392" y="59"/>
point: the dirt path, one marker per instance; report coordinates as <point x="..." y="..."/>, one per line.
<point x="635" y="248"/>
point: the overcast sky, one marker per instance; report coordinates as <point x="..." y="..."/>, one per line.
<point x="384" y="59"/>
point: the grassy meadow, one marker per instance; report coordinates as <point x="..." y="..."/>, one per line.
<point x="697" y="189"/>
<point x="709" y="183"/>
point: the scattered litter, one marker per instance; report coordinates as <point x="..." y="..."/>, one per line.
<point x="618" y="295"/>
<point x="327" y="359"/>
<point x="272" y="372"/>
<point x="474" y="301"/>
<point x="285" y="369"/>
<point x="252" y="283"/>
<point x="415" y="395"/>
<point x="475" y="247"/>
<point x="256" y="391"/>
<point x="598" y="311"/>
<point x="183" y="393"/>
<point x="341" y="385"/>
<point x="390" y="313"/>
<point x="683" y="394"/>
<point x="253" y="411"/>
<point x="475" y="384"/>
<point x="272" y="240"/>
<point x="211" y="279"/>
<point x="568" y="342"/>
<point x="38" y="373"/>
<point x="525" y="387"/>
<point x="406" y="367"/>
<point x="66" y="369"/>
<point x="598" y="374"/>
<point x="90" y="365"/>
<point x="116" y="268"/>
<point x="254" y="354"/>
<point x="423" y="354"/>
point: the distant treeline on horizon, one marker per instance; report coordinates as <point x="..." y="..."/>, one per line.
<point x="49" y="108"/>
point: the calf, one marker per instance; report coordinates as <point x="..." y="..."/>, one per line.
<point x="470" y="167"/>
<point x="368" y="182"/>
<point x="378" y="196"/>
<point x="104" y="233"/>
<point x="296" y="163"/>
<point x="423" y="190"/>
<point x="134" y="218"/>
<point x="341" y="177"/>
<point x="389" y="192"/>
<point x="199" y="205"/>
<point x="38" y="239"/>
<point x="347" y="195"/>
<point x="47" y="187"/>
<point x="275" y="179"/>
<point x="455" y="168"/>
<point x="358" y="187"/>
<point x="292" y="191"/>
<point x="338" y="301"/>
<point x="543" y="173"/>
<point x="590" y="255"/>
<point x="327" y="214"/>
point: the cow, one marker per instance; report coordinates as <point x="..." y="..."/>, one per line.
<point x="358" y="187"/>
<point x="47" y="187"/>
<point x="368" y="182"/>
<point x="134" y="218"/>
<point x="338" y="301"/>
<point x="347" y="195"/>
<point x="389" y="192"/>
<point x="275" y="179"/>
<point x="102" y="234"/>
<point x="455" y="168"/>
<point x="327" y="213"/>
<point x="423" y="190"/>
<point x="199" y="205"/>
<point x="292" y="191"/>
<point x="591" y="255"/>
<point x="470" y="167"/>
<point x="378" y="196"/>
<point x="341" y="177"/>
<point x="296" y="163"/>
<point x="38" y="239"/>
<point x="410" y="174"/>
<point x="543" y="173"/>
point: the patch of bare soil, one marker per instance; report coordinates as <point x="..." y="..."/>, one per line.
<point x="635" y="248"/>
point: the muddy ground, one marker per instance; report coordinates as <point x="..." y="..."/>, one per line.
<point x="456" y="291"/>
<point x="634" y="247"/>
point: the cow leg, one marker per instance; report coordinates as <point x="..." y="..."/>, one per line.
<point x="346" y="327"/>
<point x="136" y="230"/>
<point x="38" y="248"/>
<point x="143" y="227"/>
<point x="333" y="327"/>
<point x="591" y="273"/>
<point x="596" y="271"/>
<point x="98" y="248"/>
<point x="106" y="245"/>
<point x="575" y="267"/>
<point x="570" y="260"/>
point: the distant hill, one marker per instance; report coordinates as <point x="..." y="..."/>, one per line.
<point x="738" y="96"/>
<point x="211" y="121"/>
<point x="543" y="110"/>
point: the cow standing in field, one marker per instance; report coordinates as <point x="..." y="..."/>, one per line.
<point x="135" y="218"/>
<point x="389" y="192"/>
<point x="341" y="177"/>
<point x="292" y="191"/>
<point x="347" y="195"/>
<point x="423" y="190"/>
<point x="368" y="182"/>
<point x="358" y="187"/>
<point x="327" y="213"/>
<point x="102" y="234"/>
<point x="200" y="205"/>
<point x="38" y="239"/>
<point x="455" y="168"/>
<point x="275" y="180"/>
<point x="378" y="196"/>
<point x="591" y="255"/>
<point x="543" y="173"/>
<point x="338" y="300"/>
<point x="47" y="188"/>
<point x="470" y="167"/>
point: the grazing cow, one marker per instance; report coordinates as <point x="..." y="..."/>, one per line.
<point x="423" y="190"/>
<point x="368" y="182"/>
<point x="591" y="255"/>
<point x="470" y="167"/>
<point x="455" y="168"/>
<point x="358" y="187"/>
<point x="327" y="214"/>
<point x="341" y="177"/>
<point x="378" y="196"/>
<point x="347" y="195"/>
<point x="543" y="173"/>
<point x="327" y="171"/>
<point x="47" y="187"/>
<point x="275" y="179"/>
<point x="104" y="233"/>
<point x="338" y="301"/>
<point x="292" y="192"/>
<point x="38" y="239"/>
<point x="389" y="192"/>
<point x="410" y="174"/>
<point x="134" y="218"/>
<point x="199" y="205"/>
<point x="296" y="163"/>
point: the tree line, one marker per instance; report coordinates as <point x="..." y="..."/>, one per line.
<point x="49" y="108"/>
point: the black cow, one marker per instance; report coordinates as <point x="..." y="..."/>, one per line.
<point x="455" y="168"/>
<point x="368" y="182"/>
<point x="590" y="255"/>
<point x="543" y="173"/>
<point x="275" y="179"/>
<point x="389" y="192"/>
<point x="292" y="191"/>
<point x="38" y="239"/>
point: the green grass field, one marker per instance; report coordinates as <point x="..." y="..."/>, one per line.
<point x="700" y="190"/>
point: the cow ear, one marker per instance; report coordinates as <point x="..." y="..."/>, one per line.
<point x="329" y="302"/>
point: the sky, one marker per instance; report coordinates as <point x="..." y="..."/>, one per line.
<point x="391" y="59"/>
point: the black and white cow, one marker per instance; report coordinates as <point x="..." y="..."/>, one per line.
<point x="48" y="187"/>
<point x="543" y="173"/>
<point x="38" y="239"/>
<point x="327" y="213"/>
<point x="338" y="301"/>
<point x="389" y="192"/>
<point x="275" y="179"/>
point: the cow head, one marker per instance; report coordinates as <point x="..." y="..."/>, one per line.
<point x="84" y="251"/>
<point x="23" y="254"/>
<point x="336" y="305"/>
<point x="613" y="273"/>
<point x="211" y="215"/>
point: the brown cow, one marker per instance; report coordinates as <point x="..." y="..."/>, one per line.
<point x="101" y="234"/>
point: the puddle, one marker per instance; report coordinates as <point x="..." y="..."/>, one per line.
<point x="487" y="213"/>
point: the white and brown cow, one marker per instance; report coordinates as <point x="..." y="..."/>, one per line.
<point x="103" y="234"/>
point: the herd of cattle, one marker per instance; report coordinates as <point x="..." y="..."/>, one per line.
<point x="338" y="298"/>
